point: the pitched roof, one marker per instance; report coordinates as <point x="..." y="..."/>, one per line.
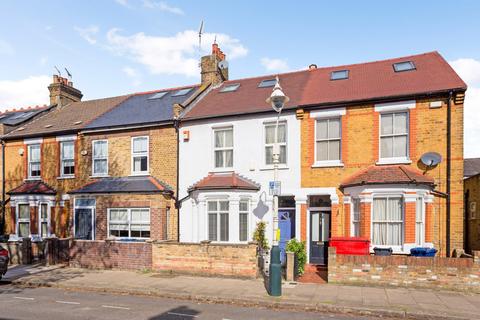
<point x="16" y="117"/>
<point x="69" y="118"/>
<point x="124" y="185"/>
<point x="32" y="187"/>
<point x="471" y="167"/>
<point x="391" y="174"/>
<point x="366" y="81"/>
<point x="142" y="108"/>
<point x="225" y="180"/>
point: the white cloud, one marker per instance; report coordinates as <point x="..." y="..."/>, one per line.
<point x="24" y="92"/>
<point x="6" y="48"/>
<point x="162" y="6"/>
<point x="43" y="61"/>
<point x="88" y="33"/>
<point x="123" y="3"/>
<point x="134" y="75"/>
<point x="274" y="65"/>
<point x="469" y="71"/>
<point x="178" y="54"/>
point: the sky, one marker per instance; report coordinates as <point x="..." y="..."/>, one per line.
<point x="114" y="47"/>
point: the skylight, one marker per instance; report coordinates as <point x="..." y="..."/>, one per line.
<point x="267" y="83"/>
<point x="230" y="87"/>
<point x="403" y="66"/>
<point x="157" y="95"/>
<point x="181" y="92"/>
<point x="339" y="75"/>
<point x="22" y="115"/>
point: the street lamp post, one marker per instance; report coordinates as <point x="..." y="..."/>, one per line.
<point x="278" y="100"/>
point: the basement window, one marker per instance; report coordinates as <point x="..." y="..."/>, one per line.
<point x="267" y="83"/>
<point x="230" y="87"/>
<point x="158" y="95"/>
<point x="339" y="75"/>
<point x="403" y="66"/>
<point x="181" y="92"/>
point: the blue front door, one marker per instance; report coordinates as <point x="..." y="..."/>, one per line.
<point x="285" y="225"/>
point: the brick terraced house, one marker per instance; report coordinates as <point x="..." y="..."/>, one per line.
<point x="472" y="204"/>
<point x="96" y="169"/>
<point x="351" y="141"/>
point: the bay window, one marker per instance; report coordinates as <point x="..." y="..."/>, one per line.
<point x="223" y="147"/>
<point x="34" y="161"/>
<point x="67" y="158"/>
<point x="23" y="220"/>
<point x="270" y="141"/>
<point x="387" y="221"/>
<point x="140" y="149"/>
<point x="243" y="220"/>
<point x="355" y="232"/>
<point x="100" y="157"/>
<point x="394" y="135"/>
<point x="218" y="220"/>
<point x="129" y="222"/>
<point x="44" y="220"/>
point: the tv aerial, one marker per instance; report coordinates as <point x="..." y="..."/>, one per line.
<point x="431" y="159"/>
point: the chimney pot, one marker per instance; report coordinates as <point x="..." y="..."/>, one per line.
<point x="312" y="66"/>
<point x="62" y="92"/>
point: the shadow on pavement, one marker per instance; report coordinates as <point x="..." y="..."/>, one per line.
<point x="178" y="313"/>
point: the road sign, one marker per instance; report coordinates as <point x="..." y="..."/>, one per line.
<point x="275" y="188"/>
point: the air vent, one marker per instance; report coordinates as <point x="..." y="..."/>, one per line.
<point x="230" y="87"/>
<point x="78" y="122"/>
<point x="404" y="66"/>
<point x="267" y="83"/>
<point x="339" y="75"/>
<point x="48" y="126"/>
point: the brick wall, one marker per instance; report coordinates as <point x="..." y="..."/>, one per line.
<point x="405" y="271"/>
<point x="224" y="260"/>
<point x="111" y="255"/>
<point x="472" y="186"/>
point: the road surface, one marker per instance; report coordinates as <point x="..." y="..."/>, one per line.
<point x="51" y="304"/>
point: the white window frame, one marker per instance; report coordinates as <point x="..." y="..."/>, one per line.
<point x="129" y="214"/>
<point x="218" y="214"/>
<point x="395" y="248"/>
<point x="23" y="220"/>
<point x="94" y="213"/>
<point x="140" y="154"/>
<point x="420" y="240"/>
<point x="328" y="163"/>
<point x="30" y="162"/>
<point x="247" y="213"/>
<point x="47" y="220"/>
<point x="394" y="160"/>
<point x="280" y="144"/>
<point x="62" y="159"/>
<point x="223" y="149"/>
<point x="95" y="174"/>
<point x="352" y="217"/>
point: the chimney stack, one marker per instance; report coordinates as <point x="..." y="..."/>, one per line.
<point x="211" y="71"/>
<point x="62" y="92"/>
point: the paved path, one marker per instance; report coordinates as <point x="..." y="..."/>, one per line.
<point x="51" y="304"/>
<point x="396" y="302"/>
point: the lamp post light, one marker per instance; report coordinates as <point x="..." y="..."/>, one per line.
<point x="277" y="99"/>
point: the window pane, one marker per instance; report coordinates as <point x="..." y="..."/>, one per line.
<point x="269" y="155"/>
<point x="315" y="226"/>
<point x="43" y="211"/>
<point x="85" y="202"/>
<point x="243" y="206"/>
<point x="419" y="210"/>
<point x="282" y="133"/>
<point x="224" y="227"/>
<point x="24" y="211"/>
<point x="212" y="227"/>
<point x="334" y="128"/>
<point x="223" y="205"/>
<point x="394" y="209"/>
<point x="100" y="166"/>
<point x="212" y="206"/>
<point x="400" y="146"/>
<point x="334" y="150"/>
<point x="229" y="138"/>
<point x="67" y="150"/>
<point x="35" y="170"/>
<point x="218" y="159"/>
<point x="35" y="153"/>
<point x="387" y="124"/>
<point x="68" y="167"/>
<point x="140" y="144"/>
<point x="243" y="226"/>
<point x="23" y="229"/>
<point x="269" y="134"/>
<point x="119" y="215"/>
<point x="322" y="150"/>
<point x="322" y="129"/>
<point x="379" y="209"/>
<point x="44" y="229"/>
<point x="219" y="139"/>
<point x="140" y="227"/>
<point x="386" y="147"/>
<point x="229" y="158"/>
<point x="400" y="122"/>
<point x="140" y="215"/>
<point x="283" y="154"/>
<point x="140" y="164"/>
<point x="100" y="149"/>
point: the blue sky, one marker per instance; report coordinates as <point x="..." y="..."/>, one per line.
<point x="114" y="47"/>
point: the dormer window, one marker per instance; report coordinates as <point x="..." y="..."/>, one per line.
<point x="339" y="75"/>
<point x="404" y="66"/>
<point x="267" y="83"/>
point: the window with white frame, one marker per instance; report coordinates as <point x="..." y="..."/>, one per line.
<point x="100" y="157"/>
<point x="23" y="218"/>
<point x="243" y="220"/>
<point x="218" y="223"/>
<point x="129" y="222"/>
<point x="394" y="135"/>
<point x="223" y="147"/>
<point x="34" y="161"/>
<point x="43" y="220"/>
<point x="419" y="222"/>
<point x="67" y="158"/>
<point x="355" y="232"/>
<point x="387" y="221"/>
<point x="140" y="155"/>
<point x="328" y="139"/>
<point x="270" y="141"/>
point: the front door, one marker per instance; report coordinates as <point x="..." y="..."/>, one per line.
<point x="319" y="236"/>
<point x="84" y="223"/>
<point x="285" y="226"/>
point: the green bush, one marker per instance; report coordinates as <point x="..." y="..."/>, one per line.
<point x="298" y="247"/>
<point x="259" y="235"/>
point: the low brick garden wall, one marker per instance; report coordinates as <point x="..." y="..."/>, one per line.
<point x="111" y="255"/>
<point x="405" y="271"/>
<point x="206" y="259"/>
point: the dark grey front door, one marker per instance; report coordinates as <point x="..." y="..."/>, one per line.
<point x="319" y="236"/>
<point x="83" y="223"/>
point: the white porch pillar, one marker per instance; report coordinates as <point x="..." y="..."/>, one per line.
<point x="233" y="217"/>
<point x="299" y="200"/>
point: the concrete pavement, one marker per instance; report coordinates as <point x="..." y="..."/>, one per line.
<point x="392" y="302"/>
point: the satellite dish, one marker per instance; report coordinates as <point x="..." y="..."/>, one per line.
<point x="431" y="159"/>
<point x="223" y="64"/>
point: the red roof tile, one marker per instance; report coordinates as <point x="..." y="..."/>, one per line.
<point x="367" y="81"/>
<point x="392" y="174"/>
<point x="32" y="187"/>
<point x="228" y="180"/>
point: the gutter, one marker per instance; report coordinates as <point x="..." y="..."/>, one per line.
<point x="449" y="156"/>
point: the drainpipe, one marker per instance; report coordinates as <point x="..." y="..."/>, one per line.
<point x="176" y="125"/>
<point x="2" y="222"/>
<point x="449" y="143"/>
<point x="466" y="236"/>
